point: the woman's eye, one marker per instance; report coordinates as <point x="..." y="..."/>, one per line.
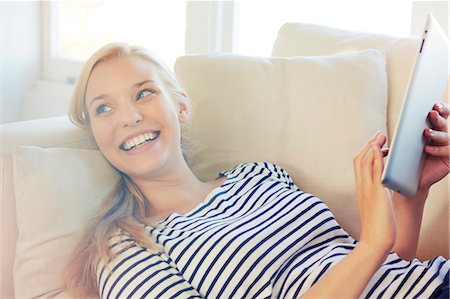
<point x="102" y="109"/>
<point x="145" y="93"/>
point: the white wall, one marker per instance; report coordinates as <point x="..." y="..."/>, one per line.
<point x="420" y="10"/>
<point x="20" y="53"/>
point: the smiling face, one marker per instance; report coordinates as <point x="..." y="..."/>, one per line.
<point x="134" y="119"/>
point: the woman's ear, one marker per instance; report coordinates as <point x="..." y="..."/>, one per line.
<point x="183" y="109"/>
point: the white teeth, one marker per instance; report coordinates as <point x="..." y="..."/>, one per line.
<point x="139" y="140"/>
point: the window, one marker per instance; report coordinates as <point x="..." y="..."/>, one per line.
<point x="75" y="29"/>
<point x="83" y="27"/>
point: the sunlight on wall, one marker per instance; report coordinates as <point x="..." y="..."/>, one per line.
<point x="259" y="21"/>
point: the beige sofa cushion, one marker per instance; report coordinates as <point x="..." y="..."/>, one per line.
<point x="311" y="115"/>
<point x="57" y="191"/>
<point x="307" y="39"/>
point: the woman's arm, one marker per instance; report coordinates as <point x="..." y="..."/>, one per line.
<point x="381" y="227"/>
<point x="351" y="275"/>
<point x="409" y="211"/>
<point x="408" y="215"/>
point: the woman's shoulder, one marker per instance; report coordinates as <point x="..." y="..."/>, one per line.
<point x="120" y="240"/>
<point x="122" y="245"/>
<point x="269" y="170"/>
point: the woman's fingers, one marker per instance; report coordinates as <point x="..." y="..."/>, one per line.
<point x="443" y="109"/>
<point x="357" y="161"/>
<point x="378" y="164"/>
<point x="367" y="167"/>
<point x="438" y="151"/>
<point x="368" y="164"/>
<point x="437" y="137"/>
<point x="438" y="117"/>
<point x="379" y="153"/>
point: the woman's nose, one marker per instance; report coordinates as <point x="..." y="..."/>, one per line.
<point x="131" y="115"/>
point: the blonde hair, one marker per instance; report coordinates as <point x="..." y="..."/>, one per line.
<point x="125" y="208"/>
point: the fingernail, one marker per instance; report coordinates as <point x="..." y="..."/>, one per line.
<point x="440" y="106"/>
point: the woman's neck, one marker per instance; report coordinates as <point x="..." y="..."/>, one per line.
<point x="178" y="191"/>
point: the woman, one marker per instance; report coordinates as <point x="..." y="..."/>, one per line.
<point x="250" y="233"/>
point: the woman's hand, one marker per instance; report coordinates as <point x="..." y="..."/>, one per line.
<point x="378" y="231"/>
<point x="437" y="159"/>
<point x="378" y="228"/>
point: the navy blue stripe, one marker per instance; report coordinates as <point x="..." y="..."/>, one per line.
<point x="169" y="230"/>
<point x="269" y="208"/>
<point x="185" y="290"/>
<point x="120" y="242"/>
<point x="224" y="226"/>
<point x="282" y="253"/>
<point x="384" y="276"/>
<point x="162" y="280"/>
<point x="113" y="269"/>
<point x="268" y="237"/>
<point x="242" y="200"/>
<point x="314" y="262"/>
<point x="177" y="294"/>
<point x="223" y="249"/>
<point x="300" y="264"/>
<point x="222" y="202"/>
<point x="394" y="262"/>
<point x="198" y="248"/>
<point x="124" y="273"/>
<point x="388" y="285"/>
<point x="145" y="280"/>
<point x="428" y="283"/>
<point x="224" y="233"/>
<point x="137" y="274"/>
<point x="279" y="256"/>
<point x="167" y="289"/>
<point x="115" y="255"/>
<point x="416" y="281"/>
<point x="271" y="248"/>
<point x="404" y="280"/>
<point x="249" y="171"/>
<point x="322" y="271"/>
<point x="117" y="266"/>
<point x="301" y="251"/>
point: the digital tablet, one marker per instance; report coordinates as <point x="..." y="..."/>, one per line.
<point x="426" y="86"/>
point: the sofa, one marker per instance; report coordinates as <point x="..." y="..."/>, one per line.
<point x="309" y="107"/>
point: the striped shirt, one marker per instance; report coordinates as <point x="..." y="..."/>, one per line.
<point x="256" y="236"/>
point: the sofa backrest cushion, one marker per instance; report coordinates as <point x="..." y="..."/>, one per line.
<point x="310" y="115"/>
<point x="299" y="39"/>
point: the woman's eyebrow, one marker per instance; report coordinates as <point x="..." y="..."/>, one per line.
<point x="101" y="96"/>
<point x="143" y="82"/>
<point x="138" y="84"/>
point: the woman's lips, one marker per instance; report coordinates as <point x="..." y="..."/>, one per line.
<point x="139" y="141"/>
